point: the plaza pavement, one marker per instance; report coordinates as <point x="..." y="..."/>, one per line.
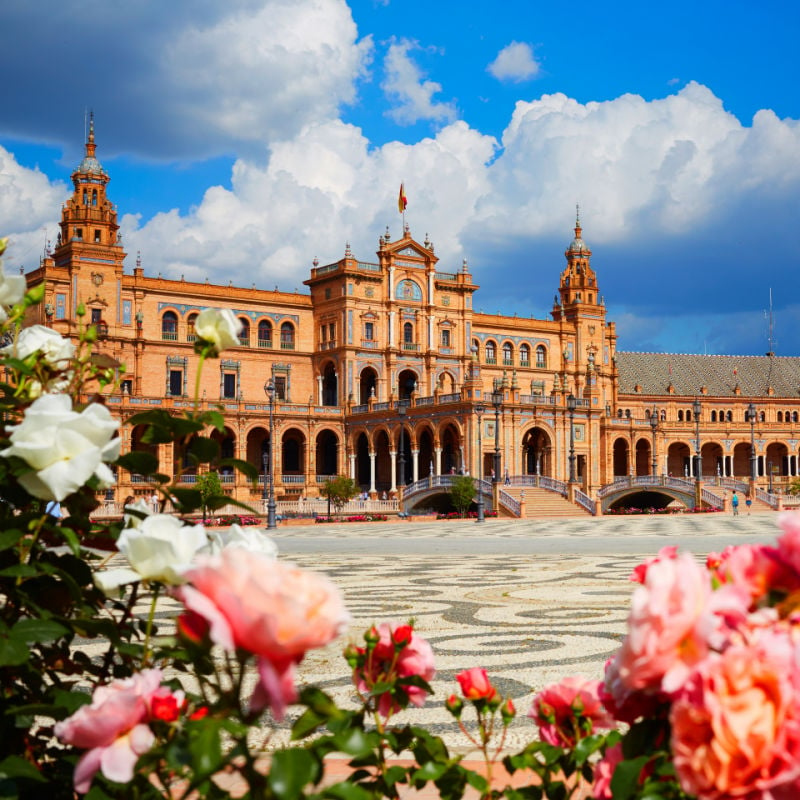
<point x="530" y="600"/>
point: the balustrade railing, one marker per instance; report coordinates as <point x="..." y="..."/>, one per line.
<point x="583" y="499"/>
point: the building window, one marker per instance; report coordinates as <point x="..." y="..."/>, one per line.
<point x="94" y="202"/>
<point x="408" y="333"/>
<point x="169" y="326"/>
<point x="264" y="334"/>
<point x="369" y="331"/>
<point x="445" y="337"/>
<point x="280" y="387"/>
<point x="229" y="386"/>
<point x="541" y="357"/>
<point x="176" y="383"/>
<point x="508" y="355"/>
<point x="126" y="387"/>
<point x="332" y="332"/>
<point x="287" y="336"/>
<point x="327" y="292"/>
<point x="96" y="236"/>
<point x="191" y="336"/>
<point x="244" y="333"/>
<point x="524" y="355"/>
<point x="491" y="353"/>
<point x="713" y="416"/>
<point x="97" y="315"/>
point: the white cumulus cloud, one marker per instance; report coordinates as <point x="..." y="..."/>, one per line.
<point x="515" y="63"/>
<point x="406" y="87"/>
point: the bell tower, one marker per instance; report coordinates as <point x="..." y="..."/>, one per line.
<point x="88" y="248"/>
<point x="578" y="286"/>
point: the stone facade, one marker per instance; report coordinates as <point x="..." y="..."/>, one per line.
<point x="385" y="372"/>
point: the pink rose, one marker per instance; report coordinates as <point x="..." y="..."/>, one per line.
<point x="475" y="684"/>
<point x="569" y="710"/>
<point x="273" y="610"/>
<point x="736" y="724"/>
<point x="639" y="573"/>
<point x="398" y="653"/>
<point x="668" y="625"/>
<point x="604" y="772"/>
<point x="113" y="728"/>
<point x="626" y="704"/>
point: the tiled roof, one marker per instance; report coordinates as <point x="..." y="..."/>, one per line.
<point x="688" y="374"/>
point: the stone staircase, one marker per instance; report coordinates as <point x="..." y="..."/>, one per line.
<point x="542" y="503"/>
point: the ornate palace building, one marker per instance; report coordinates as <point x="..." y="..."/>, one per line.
<point x="384" y="371"/>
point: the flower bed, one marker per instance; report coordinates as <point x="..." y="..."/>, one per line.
<point x="468" y="515"/>
<point x="632" y="510"/>
<point x="355" y="518"/>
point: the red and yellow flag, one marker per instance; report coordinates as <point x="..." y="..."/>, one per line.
<point x="402" y="200"/>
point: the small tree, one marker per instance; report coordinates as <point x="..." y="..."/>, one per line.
<point x="210" y="487"/>
<point x="338" y="491"/>
<point x="462" y="492"/>
<point x="794" y="487"/>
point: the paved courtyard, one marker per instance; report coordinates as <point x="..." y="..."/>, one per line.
<point x="531" y="601"/>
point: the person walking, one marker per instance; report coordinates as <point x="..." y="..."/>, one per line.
<point x="748" y="501"/>
<point x="735" y="504"/>
<point x="507" y="478"/>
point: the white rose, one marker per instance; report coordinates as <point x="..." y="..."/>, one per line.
<point x="253" y="539"/>
<point x="65" y="448"/>
<point x="55" y="349"/>
<point x="12" y="289"/>
<point x="161" y="549"/>
<point x="135" y="520"/>
<point x="219" y="327"/>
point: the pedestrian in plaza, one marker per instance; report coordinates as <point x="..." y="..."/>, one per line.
<point x="507" y="478"/>
<point x="748" y="501"/>
<point x="735" y="504"/>
<point x="154" y="502"/>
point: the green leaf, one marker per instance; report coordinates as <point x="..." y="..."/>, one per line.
<point x="206" y="747"/>
<point x="203" y="449"/>
<point x="625" y="781"/>
<point x="10" y="538"/>
<point x="346" y="790"/>
<point x="188" y="499"/>
<point x="38" y="630"/>
<point x="19" y="571"/>
<point x="16" y="767"/>
<point x="12" y="652"/>
<point x="308" y="722"/>
<point x="244" y="467"/>
<point x="430" y="772"/>
<point x="139" y="461"/>
<point x="290" y="770"/>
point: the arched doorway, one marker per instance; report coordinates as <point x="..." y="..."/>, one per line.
<point x="292" y="455"/>
<point x="712" y="460"/>
<point x="362" y="461"/>
<point x="446" y="383"/>
<point x="326" y="454"/>
<point x="258" y="447"/>
<point x="643" y="466"/>
<point x="741" y="460"/>
<point x="227" y="449"/>
<point x="330" y="386"/>
<point x="404" y="465"/>
<point x="451" y="450"/>
<point x="383" y="463"/>
<point x="620" y="455"/>
<point x="537" y="453"/>
<point x="425" y="446"/>
<point x="406" y="383"/>
<point x="368" y="385"/>
<point x="678" y="460"/>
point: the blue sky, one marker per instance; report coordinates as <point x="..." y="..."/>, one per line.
<point x="248" y="137"/>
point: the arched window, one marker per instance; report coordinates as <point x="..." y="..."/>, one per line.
<point x="524" y="355"/>
<point x="191" y="336"/>
<point x="244" y="333"/>
<point x="619" y="413"/>
<point x="729" y="416"/>
<point x="780" y="416"/>
<point x="541" y="357"/>
<point x="688" y="415"/>
<point x="762" y="417"/>
<point x="85" y="197"/>
<point x="94" y="197"/>
<point x="264" y="333"/>
<point x="627" y="413"/>
<point x="714" y="416"/>
<point x="794" y="416"/>
<point x="169" y="326"/>
<point x="680" y="416"/>
<point x="408" y="333"/>
<point x="491" y="353"/>
<point x="287" y="336"/>
<point x="508" y="355"/>
<point x="663" y="415"/>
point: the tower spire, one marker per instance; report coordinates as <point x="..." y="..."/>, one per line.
<point x="577" y="221"/>
<point x="90" y="144"/>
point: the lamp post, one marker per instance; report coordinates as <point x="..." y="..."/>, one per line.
<point x="497" y="402"/>
<point x="653" y="426"/>
<point x="401" y="462"/>
<point x="751" y="418"/>
<point x="698" y="458"/>
<point x="479" y="409"/>
<point x="269" y="390"/>
<point x="572" y="403"/>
